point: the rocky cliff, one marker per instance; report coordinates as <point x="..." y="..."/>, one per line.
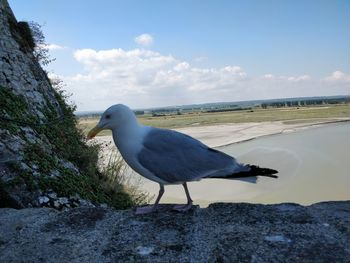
<point x="220" y="233"/>
<point x="44" y="160"/>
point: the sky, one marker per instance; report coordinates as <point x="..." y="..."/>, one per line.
<point x="159" y="53"/>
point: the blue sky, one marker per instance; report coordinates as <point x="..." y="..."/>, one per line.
<point x="273" y="49"/>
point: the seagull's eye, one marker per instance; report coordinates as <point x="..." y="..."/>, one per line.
<point x="108" y="116"/>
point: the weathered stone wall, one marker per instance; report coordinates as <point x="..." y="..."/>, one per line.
<point x="44" y="159"/>
<point x="19" y="69"/>
<point x="26" y="96"/>
<point x="219" y="233"/>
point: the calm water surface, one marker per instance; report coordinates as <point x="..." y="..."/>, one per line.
<point x="313" y="165"/>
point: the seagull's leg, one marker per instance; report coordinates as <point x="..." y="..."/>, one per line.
<point x="186" y="207"/>
<point x="151" y="208"/>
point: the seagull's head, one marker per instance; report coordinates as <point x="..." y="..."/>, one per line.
<point x="114" y="118"/>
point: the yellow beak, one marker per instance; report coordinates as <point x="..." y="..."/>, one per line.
<point x="93" y="132"/>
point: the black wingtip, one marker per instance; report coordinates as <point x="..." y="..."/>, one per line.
<point x="254" y="171"/>
<point x="255" y="168"/>
<point x="268" y="172"/>
<point x="269" y="175"/>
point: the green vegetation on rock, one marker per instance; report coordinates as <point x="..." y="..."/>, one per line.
<point x="12" y="106"/>
<point x="50" y="153"/>
<point x="66" y="143"/>
<point x="22" y="33"/>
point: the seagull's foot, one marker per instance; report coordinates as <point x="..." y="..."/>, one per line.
<point x="145" y="210"/>
<point x="182" y="208"/>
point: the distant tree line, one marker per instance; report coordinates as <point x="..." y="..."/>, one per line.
<point x="230" y="109"/>
<point x="164" y="112"/>
<point x="139" y="112"/>
<point x="299" y="103"/>
<point x="227" y="107"/>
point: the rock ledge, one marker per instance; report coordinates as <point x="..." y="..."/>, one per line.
<point x="238" y="232"/>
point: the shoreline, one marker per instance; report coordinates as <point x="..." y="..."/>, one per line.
<point x="295" y="129"/>
<point x="221" y="135"/>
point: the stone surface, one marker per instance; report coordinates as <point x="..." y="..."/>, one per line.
<point x="220" y="233"/>
<point x="21" y="75"/>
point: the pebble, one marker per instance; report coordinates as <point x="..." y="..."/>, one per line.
<point x="56" y="204"/>
<point x="144" y="251"/>
<point x="52" y="195"/>
<point x="63" y="200"/>
<point x="277" y="238"/>
<point x="43" y="200"/>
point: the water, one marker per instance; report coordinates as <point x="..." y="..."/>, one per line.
<point x="313" y="165"/>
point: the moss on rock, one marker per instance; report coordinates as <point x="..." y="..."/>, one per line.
<point x="22" y="33"/>
<point x="66" y="144"/>
<point x="12" y="106"/>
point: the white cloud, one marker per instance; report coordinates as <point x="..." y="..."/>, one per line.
<point x="287" y="78"/>
<point x="269" y="76"/>
<point x="299" y="78"/>
<point x="144" y="40"/>
<point x="145" y="78"/>
<point x="182" y="66"/>
<point x="53" y="47"/>
<point x="338" y="76"/>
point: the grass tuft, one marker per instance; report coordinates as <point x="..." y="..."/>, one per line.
<point x="116" y="176"/>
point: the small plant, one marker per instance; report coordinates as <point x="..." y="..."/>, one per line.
<point x="13" y="107"/>
<point x="40" y="52"/>
<point x="31" y="39"/>
<point x="21" y="32"/>
<point x="117" y="176"/>
<point x="26" y="33"/>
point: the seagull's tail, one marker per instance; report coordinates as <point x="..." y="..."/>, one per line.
<point x="253" y="171"/>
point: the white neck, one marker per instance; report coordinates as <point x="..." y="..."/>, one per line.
<point x="129" y="141"/>
<point x="126" y="133"/>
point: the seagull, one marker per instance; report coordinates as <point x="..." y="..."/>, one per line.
<point x="169" y="157"/>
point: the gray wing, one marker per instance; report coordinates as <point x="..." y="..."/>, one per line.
<point x="175" y="157"/>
